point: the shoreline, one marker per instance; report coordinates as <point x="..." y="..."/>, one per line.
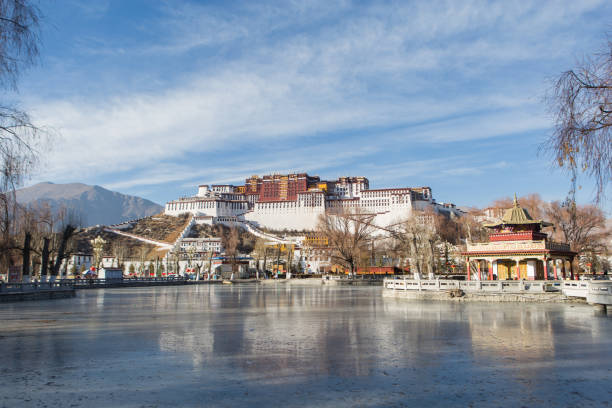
<point x="484" y="297"/>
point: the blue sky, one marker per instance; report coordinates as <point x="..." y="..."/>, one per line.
<point x="155" y="97"/>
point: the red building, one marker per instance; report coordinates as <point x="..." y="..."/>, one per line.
<point x="280" y="187"/>
<point x="382" y="270"/>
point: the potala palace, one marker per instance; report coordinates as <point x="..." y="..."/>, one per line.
<point x="295" y="201"/>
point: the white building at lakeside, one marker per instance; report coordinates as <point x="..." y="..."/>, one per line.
<point x="295" y="201"/>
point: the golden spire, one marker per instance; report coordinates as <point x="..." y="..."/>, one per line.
<point x="516" y="204"/>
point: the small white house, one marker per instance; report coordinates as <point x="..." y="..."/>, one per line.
<point x="110" y="273"/>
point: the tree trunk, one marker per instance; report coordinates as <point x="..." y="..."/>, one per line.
<point x="432" y="262"/>
<point x="198" y="267"/>
<point x="210" y="264"/>
<point x="414" y="263"/>
<point x="25" y="267"/>
<point x="45" y="259"/>
<point x="446" y="257"/>
<point x="62" y="248"/>
<point x="289" y="260"/>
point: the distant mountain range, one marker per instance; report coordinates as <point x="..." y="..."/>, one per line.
<point x="94" y="204"/>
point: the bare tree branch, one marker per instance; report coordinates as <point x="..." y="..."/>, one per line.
<point x="580" y="102"/>
<point x="348" y="232"/>
<point x="19" y="38"/>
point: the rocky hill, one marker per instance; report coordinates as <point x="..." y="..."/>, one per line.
<point x="163" y="228"/>
<point x="94" y="204"/>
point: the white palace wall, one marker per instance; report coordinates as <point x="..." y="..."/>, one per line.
<point x="390" y="206"/>
<point x="302" y="214"/>
<point x="292" y="220"/>
<point x="211" y="208"/>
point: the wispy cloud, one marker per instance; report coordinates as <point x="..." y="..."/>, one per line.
<point x="95" y="9"/>
<point x="361" y="83"/>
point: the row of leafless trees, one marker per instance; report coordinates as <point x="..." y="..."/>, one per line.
<point x="430" y="242"/>
<point x="268" y="257"/>
<point x="425" y="241"/>
<point x="28" y="236"/>
<point x="38" y="239"/>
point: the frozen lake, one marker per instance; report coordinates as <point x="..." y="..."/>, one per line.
<point x="282" y="345"/>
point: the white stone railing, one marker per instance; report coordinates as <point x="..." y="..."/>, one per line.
<point x="576" y="288"/>
<point x="595" y="291"/>
<point x="472" y="286"/>
<point x="598" y="292"/>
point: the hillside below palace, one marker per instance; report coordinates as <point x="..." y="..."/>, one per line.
<point x="295" y="201"/>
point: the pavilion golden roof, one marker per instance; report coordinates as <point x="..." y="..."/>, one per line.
<point x="517" y="216"/>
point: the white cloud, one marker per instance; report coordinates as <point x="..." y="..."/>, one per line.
<point x="94" y="9"/>
<point x="301" y="159"/>
<point x="314" y="68"/>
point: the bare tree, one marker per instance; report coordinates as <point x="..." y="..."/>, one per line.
<point x="210" y="256"/>
<point x="36" y="233"/>
<point x="18" y="49"/>
<point x="199" y="264"/>
<point x="471" y="229"/>
<point x="418" y="236"/>
<point x="69" y="223"/>
<point x="18" y="38"/>
<point x="38" y="220"/>
<point x="265" y="260"/>
<point x="581" y="103"/>
<point x="259" y="250"/>
<point x="230" y="240"/>
<point x="142" y="257"/>
<point x="348" y="232"/>
<point x="290" y="250"/>
<point x="120" y="252"/>
<point x="449" y="232"/>
<point x="581" y="226"/>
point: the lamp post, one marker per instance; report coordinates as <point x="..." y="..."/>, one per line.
<point x="98" y="246"/>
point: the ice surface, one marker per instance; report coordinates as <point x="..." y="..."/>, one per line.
<point x="283" y="346"/>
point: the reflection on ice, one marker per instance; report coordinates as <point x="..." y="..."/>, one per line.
<point x="260" y="345"/>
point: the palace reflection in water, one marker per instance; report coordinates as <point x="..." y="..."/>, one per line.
<point x="256" y="345"/>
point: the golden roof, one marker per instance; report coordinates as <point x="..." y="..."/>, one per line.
<point x="517" y="216"/>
